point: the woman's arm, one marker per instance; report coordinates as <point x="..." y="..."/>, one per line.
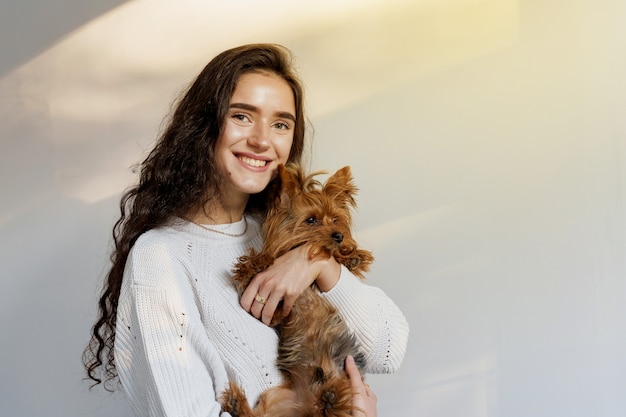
<point x="377" y="322"/>
<point x="166" y="363"/>
<point x="285" y="280"/>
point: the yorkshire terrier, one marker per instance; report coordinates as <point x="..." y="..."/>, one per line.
<point x="313" y="338"/>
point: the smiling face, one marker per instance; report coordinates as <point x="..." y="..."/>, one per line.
<point x="256" y="136"/>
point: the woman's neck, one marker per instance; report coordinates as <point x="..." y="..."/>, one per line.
<point x="217" y="213"/>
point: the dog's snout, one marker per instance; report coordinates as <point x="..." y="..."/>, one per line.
<point x="337" y="237"/>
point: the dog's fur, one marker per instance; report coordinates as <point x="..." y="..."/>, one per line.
<point x="313" y="339"/>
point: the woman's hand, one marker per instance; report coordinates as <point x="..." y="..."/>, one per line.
<point x="362" y="395"/>
<point x="285" y="280"/>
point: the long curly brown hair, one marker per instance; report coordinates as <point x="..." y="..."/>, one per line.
<point x="179" y="174"/>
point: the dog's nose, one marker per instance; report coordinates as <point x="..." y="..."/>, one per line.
<point x="337" y="237"/>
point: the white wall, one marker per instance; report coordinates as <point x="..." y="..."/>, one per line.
<point x="488" y="138"/>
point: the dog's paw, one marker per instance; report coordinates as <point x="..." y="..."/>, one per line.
<point x="354" y="263"/>
<point x="243" y="272"/>
<point x="235" y="403"/>
<point x="247" y="267"/>
<point x="232" y="407"/>
<point x="360" y="262"/>
<point x="328" y="399"/>
<point x="230" y="403"/>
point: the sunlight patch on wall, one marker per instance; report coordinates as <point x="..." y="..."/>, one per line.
<point x="377" y="49"/>
<point x="111" y="66"/>
<point x="346" y="50"/>
<point x="108" y="85"/>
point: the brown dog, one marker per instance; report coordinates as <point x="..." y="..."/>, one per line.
<point x="313" y="339"/>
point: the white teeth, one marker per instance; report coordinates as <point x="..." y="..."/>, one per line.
<point x="253" y="162"/>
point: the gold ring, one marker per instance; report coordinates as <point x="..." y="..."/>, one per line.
<point x="260" y="299"/>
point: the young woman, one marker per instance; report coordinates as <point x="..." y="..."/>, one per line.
<point x="171" y="326"/>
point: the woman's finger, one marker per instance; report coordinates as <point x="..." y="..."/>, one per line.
<point x="362" y="396"/>
<point x="258" y="304"/>
<point x="355" y="376"/>
<point x="370" y="393"/>
<point x="270" y="307"/>
<point x="248" y="297"/>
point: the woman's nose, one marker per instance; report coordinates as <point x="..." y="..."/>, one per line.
<point x="259" y="137"/>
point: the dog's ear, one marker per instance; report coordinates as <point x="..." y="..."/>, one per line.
<point x="341" y="186"/>
<point x="289" y="183"/>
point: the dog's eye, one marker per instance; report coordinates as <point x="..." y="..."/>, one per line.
<point x="335" y="220"/>
<point x="311" y="220"/>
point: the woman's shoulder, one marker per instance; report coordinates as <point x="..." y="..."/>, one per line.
<point x="167" y="237"/>
<point x="156" y="256"/>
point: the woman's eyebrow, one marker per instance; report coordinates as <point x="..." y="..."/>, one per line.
<point x="250" y="107"/>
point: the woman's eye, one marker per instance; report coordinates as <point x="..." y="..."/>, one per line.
<point x="241" y="117"/>
<point x="282" y="126"/>
<point x="311" y="220"/>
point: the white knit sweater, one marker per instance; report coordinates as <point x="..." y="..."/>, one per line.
<point x="181" y="333"/>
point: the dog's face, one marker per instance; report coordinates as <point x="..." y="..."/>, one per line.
<point x="315" y="214"/>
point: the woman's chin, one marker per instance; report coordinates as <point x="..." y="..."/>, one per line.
<point x="253" y="188"/>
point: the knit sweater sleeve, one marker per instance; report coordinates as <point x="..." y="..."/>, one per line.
<point x="378" y="324"/>
<point x="167" y="364"/>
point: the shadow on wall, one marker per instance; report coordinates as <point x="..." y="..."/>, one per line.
<point x="51" y="254"/>
<point x="29" y="22"/>
<point x="51" y="250"/>
<point x="50" y="246"/>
